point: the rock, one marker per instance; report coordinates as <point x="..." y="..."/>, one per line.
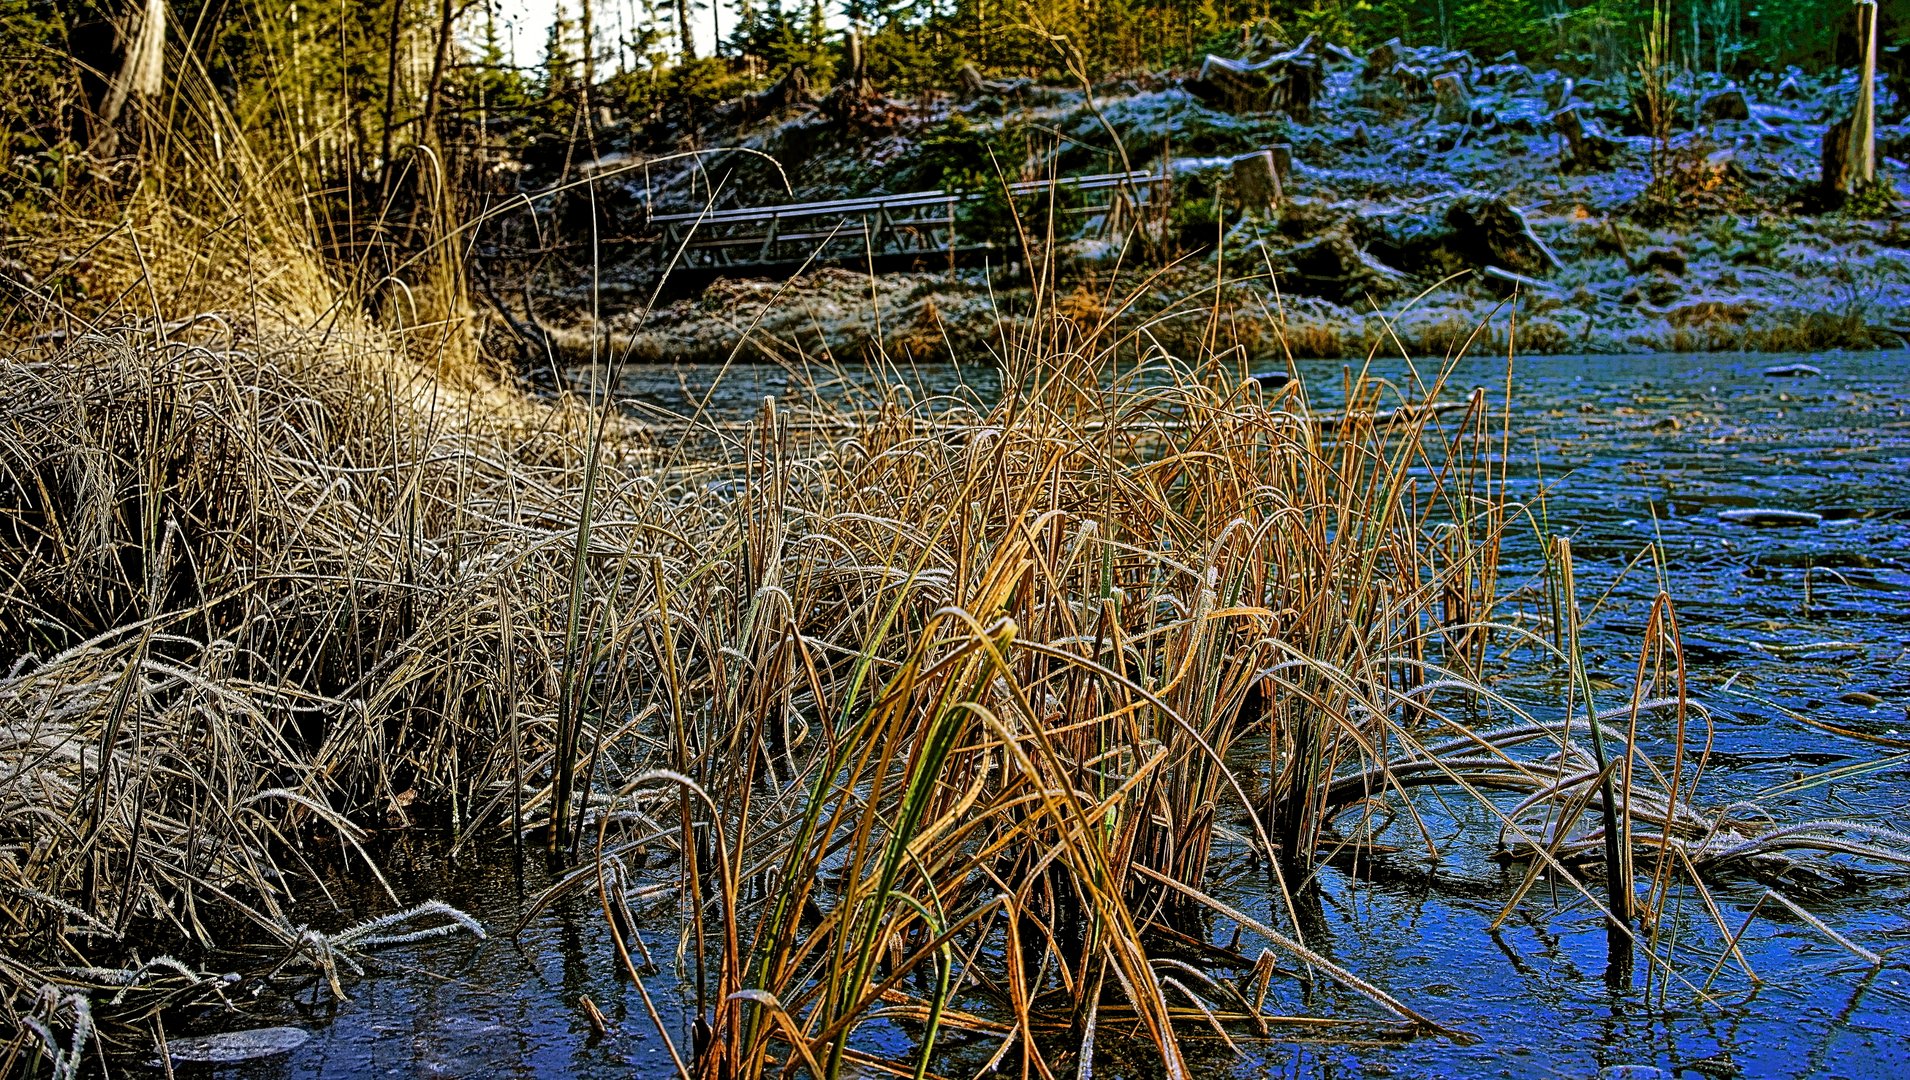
<point x="1793" y="371"/>
<point x="1858" y="697"/>
<point x="1256" y="182"/>
<point x="1669" y="423"/>
<point x="1632" y="1072"/>
<point x="1764" y="518"/>
<point x="1670" y="260"/>
<point x="1452" y="103"/>
<point x="231" y="1047"/>
<point x="1271" y="380"/>
<point x="1724" y="105"/>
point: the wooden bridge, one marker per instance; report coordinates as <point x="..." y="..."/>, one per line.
<point x="920" y="227"/>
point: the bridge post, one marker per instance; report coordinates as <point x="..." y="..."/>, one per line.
<point x="769" y="238"/>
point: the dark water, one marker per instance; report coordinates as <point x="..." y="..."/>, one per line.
<point x="1595" y="435"/>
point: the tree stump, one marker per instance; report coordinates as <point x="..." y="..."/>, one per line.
<point x="1724" y="105"/>
<point x="970" y="82"/>
<point x="1452" y="104"/>
<point x="1491" y="231"/>
<point x="1585" y="150"/>
<point x="1256" y="182"/>
<point x="1836" y="175"/>
<point x="788" y="92"/>
<point x="1290" y="82"/>
<point x="1380" y="61"/>
<point x="1335" y="266"/>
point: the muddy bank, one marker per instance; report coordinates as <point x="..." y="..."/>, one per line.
<point x="1400" y="214"/>
<point x="836" y="314"/>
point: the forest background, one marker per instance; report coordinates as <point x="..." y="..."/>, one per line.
<point x="359" y="80"/>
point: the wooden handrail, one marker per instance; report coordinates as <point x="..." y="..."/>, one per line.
<point x="906" y="200"/>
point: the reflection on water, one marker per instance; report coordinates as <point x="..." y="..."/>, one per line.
<point x="1622" y="454"/>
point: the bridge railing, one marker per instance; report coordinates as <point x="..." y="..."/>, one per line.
<point x="920" y="223"/>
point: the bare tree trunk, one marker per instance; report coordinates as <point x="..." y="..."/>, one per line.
<point x="140" y="75"/>
<point x="683" y="29"/>
<point x="1863" y="119"/>
<point x="439" y="57"/>
<point x="589" y="30"/>
<point x="391" y="89"/>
